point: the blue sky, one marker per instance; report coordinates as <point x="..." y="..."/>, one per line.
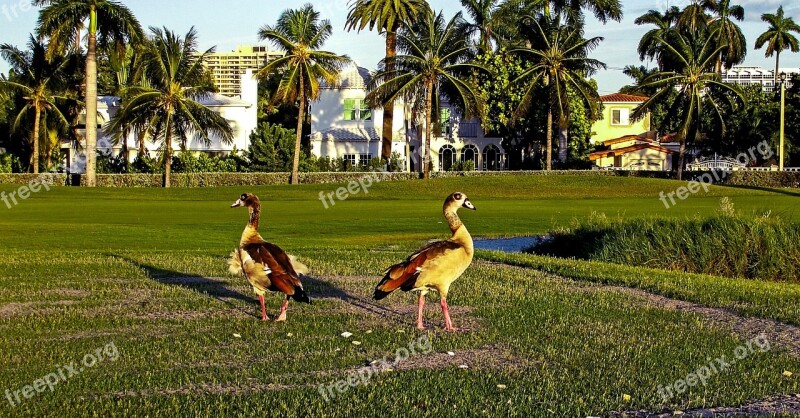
<point x="226" y="24"/>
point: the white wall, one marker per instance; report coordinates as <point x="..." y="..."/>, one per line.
<point x="328" y="112"/>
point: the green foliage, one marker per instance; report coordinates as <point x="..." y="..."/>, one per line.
<point x="756" y="247"/>
<point x="189" y="162"/>
<point x="9" y="163"/>
<point x="271" y="148"/>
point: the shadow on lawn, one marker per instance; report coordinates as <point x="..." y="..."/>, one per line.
<point x="786" y="192"/>
<point x="204" y="285"/>
<point x="323" y="289"/>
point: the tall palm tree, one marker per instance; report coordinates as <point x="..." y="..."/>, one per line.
<point x="169" y="106"/>
<point x="697" y="84"/>
<point x="62" y="21"/>
<point x="388" y="16"/>
<point x="664" y="24"/>
<point x="728" y="32"/>
<point x="559" y="57"/>
<point x="487" y="20"/>
<point x="42" y="82"/>
<point x="603" y="10"/>
<point x="434" y="63"/>
<point x="300" y="34"/>
<point x="778" y="37"/>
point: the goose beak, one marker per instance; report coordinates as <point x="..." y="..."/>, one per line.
<point x="467" y="204"/>
<point x="237" y="204"/>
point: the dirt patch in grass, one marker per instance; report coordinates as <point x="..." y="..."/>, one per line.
<point x="10" y="310"/>
<point x="779" y="334"/>
<point x="788" y="405"/>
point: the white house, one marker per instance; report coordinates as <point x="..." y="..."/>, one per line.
<point x="241" y="114"/>
<point x="343" y="126"/>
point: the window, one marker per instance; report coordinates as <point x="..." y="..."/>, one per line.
<point x="363" y="160"/>
<point x="349" y="160"/>
<point x="492" y="158"/>
<point x="356" y="109"/>
<point x="444" y="121"/>
<point x="470" y="153"/>
<point x="621" y="117"/>
<point x="447" y="156"/>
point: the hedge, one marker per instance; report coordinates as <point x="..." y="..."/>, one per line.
<point x="768" y="179"/>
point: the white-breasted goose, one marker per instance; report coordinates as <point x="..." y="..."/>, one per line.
<point x="436" y="265"/>
<point x="266" y="266"/>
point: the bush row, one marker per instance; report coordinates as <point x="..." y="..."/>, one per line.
<point x="738" y="178"/>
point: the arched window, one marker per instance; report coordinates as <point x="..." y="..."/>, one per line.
<point x="470" y="153"/>
<point x="492" y="158"/>
<point x="447" y="156"/>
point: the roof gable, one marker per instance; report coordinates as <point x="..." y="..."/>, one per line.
<point x="623" y="98"/>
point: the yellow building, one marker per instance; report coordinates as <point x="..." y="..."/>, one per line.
<point x="617" y="121"/>
<point x="228" y="67"/>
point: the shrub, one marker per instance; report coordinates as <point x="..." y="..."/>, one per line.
<point x="9" y="163"/>
<point x="727" y="244"/>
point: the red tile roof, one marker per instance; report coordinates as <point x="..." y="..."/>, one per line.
<point x="633" y="148"/>
<point x="623" y="98"/>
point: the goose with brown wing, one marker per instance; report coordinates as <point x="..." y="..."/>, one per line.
<point x="435" y="266"/>
<point x="266" y="266"/>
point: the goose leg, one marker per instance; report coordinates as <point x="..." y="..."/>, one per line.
<point x="264" y="316"/>
<point x="282" y="314"/>
<point x="448" y="324"/>
<point x="420" y="309"/>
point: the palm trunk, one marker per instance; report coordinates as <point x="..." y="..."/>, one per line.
<point x="428" y="111"/>
<point x="296" y="161"/>
<point x="168" y="158"/>
<point x="718" y="67"/>
<point x="91" y="101"/>
<point x="563" y="144"/>
<point x="125" y="152"/>
<point x="777" y="67"/>
<point x="549" y="139"/>
<point x="388" y="108"/>
<point x="142" y="148"/>
<point x="681" y="156"/>
<point x="35" y="155"/>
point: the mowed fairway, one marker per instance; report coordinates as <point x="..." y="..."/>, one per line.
<point x="145" y="269"/>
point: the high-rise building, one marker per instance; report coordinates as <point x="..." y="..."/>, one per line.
<point x="748" y="76"/>
<point x="228" y="67"/>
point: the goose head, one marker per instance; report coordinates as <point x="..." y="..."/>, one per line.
<point x="458" y="200"/>
<point x="248" y="200"/>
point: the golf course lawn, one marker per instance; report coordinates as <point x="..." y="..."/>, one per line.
<point x="144" y="271"/>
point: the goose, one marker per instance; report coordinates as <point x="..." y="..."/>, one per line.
<point x="435" y="266"/>
<point x="266" y="266"/>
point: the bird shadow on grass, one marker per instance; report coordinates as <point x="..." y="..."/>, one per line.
<point x="324" y="289"/>
<point x="203" y="285"/>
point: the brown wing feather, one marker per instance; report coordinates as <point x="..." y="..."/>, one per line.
<point x="279" y="274"/>
<point x="404" y="275"/>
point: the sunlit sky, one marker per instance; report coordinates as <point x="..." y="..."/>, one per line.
<point x="226" y="24"/>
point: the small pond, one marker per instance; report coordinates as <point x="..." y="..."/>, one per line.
<point x="508" y="245"/>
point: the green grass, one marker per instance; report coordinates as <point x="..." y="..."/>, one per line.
<point x="82" y="268"/>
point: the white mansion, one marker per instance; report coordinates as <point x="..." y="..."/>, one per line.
<point x="343" y="126"/>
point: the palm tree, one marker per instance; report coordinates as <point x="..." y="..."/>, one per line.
<point x="42" y="82"/>
<point x="62" y="21"/>
<point x="728" y="33"/>
<point x="559" y="57"/>
<point x="169" y="107"/>
<point x="603" y="10"/>
<point x="665" y="23"/>
<point x="697" y="84"/>
<point x="487" y="20"/>
<point x="695" y="17"/>
<point x="434" y="63"/>
<point x="388" y="16"/>
<point x="300" y="34"/>
<point x="778" y="37"/>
